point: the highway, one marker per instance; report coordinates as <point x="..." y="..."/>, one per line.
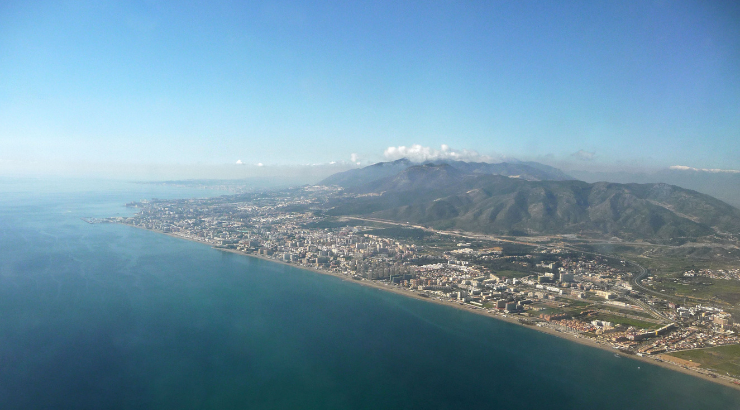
<point x="635" y="280"/>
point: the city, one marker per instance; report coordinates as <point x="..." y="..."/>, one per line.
<point x="549" y="286"/>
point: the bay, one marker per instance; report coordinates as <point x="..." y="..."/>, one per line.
<point x="109" y="316"/>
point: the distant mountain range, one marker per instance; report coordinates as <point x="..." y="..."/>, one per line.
<point x="487" y="198"/>
<point x="532" y="171"/>
<point x="722" y="185"/>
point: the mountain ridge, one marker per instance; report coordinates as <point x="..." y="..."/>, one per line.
<point x="526" y="170"/>
<point x="443" y="197"/>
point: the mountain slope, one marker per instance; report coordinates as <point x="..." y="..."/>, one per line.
<point x="724" y="186"/>
<point x="360" y="176"/>
<point x="444" y="197"/>
<point x="531" y="171"/>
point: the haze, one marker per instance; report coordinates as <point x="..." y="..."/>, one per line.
<point x="153" y="89"/>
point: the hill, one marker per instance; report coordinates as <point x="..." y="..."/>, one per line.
<point x="360" y="176"/>
<point x="532" y="171"/>
<point x="444" y="197"/>
<point x="721" y="185"/>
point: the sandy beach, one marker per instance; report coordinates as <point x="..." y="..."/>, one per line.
<point x="510" y="318"/>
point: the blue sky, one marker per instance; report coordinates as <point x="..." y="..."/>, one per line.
<point x="173" y="84"/>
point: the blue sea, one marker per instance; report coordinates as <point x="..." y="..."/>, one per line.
<point x="107" y="316"/>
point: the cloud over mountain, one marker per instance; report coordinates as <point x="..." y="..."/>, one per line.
<point x="712" y="170"/>
<point x="418" y="153"/>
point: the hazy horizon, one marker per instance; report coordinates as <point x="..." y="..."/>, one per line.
<point x="153" y="90"/>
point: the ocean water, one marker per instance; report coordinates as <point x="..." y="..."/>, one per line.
<point x="107" y="316"/>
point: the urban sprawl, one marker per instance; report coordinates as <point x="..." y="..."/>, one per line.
<point x="586" y="295"/>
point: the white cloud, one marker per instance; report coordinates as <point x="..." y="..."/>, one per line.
<point x="417" y="153"/>
<point x="354" y="158"/>
<point x="713" y="170"/>
<point x="259" y="164"/>
<point x="239" y="162"/>
<point x="584" y="155"/>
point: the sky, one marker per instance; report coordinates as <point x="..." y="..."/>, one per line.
<point x="169" y="89"/>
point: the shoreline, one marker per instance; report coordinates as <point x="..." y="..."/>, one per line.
<point x="660" y="361"/>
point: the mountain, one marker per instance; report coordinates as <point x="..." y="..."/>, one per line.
<point x="360" y="176"/>
<point x="532" y="171"/>
<point x="722" y="185"/>
<point x="526" y="170"/>
<point x="555" y="173"/>
<point x="426" y="177"/>
<point x="444" y="197"/>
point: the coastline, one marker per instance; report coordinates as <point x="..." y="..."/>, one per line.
<point x="514" y="319"/>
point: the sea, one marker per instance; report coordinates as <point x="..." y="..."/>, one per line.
<point x="106" y="316"/>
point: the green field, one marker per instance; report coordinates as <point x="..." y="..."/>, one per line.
<point x="724" y="359"/>
<point x="618" y="312"/>
<point x="577" y="304"/>
<point x="573" y="310"/>
<point x="551" y="311"/>
<point x="702" y="288"/>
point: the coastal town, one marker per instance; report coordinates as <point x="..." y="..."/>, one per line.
<point x="545" y="285"/>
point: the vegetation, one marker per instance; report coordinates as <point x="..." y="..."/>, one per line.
<point x="700" y="288"/>
<point x="724" y="359"/>
<point x="555" y="311"/>
<point x="446" y="197"/>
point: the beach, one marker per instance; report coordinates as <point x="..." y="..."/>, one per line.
<point x="510" y="318"/>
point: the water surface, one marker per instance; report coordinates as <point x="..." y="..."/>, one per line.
<point x="109" y="316"/>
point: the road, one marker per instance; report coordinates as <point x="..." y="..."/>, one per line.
<point x="635" y="278"/>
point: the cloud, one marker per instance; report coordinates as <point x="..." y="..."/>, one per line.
<point x="239" y="162"/>
<point x="583" y="155"/>
<point x="354" y="158"/>
<point x="417" y="153"/>
<point x="259" y="164"/>
<point x="713" y="170"/>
